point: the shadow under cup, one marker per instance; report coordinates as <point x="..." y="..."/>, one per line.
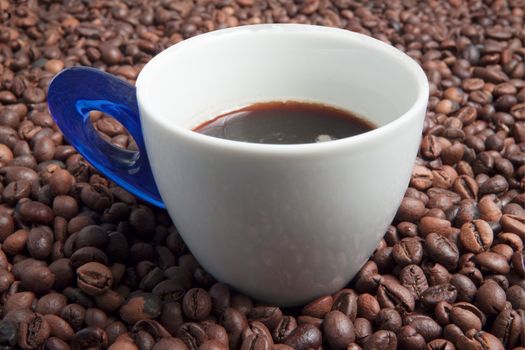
<point x="282" y="223"/>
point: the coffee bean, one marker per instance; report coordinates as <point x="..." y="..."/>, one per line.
<point x="270" y="316"/>
<point x="346" y="302"/>
<point x="51" y="303"/>
<point x="514" y="224"/>
<point x="284" y="328"/>
<point x="319" y="307"/>
<point x="90" y="337"/>
<point x="507" y="327"/>
<point x="255" y="341"/>
<point x="304" y="337"/>
<point x="478" y="339"/>
<point x="466" y="289"/>
<point x="413" y="278"/>
<point x="36" y="212"/>
<point x="38" y="279"/>
<point x="94" y="278"/>
<point x="518" y="263"/>
<point x="177" y="344"/>
<point x="408" y="251"/>
<point x="381" y="340"/>
<point x="490" y="298"/>
<point x="192" y="334"/>
<point x="196" y="304"/>
<point x="423" y="325"/>
<point x="8" y="334"/>
<point x="367" y="306"/>
<point x="74" y="314"/>
<point x="466" y="316"/>
<point x="217" y="332"/>
<point x="338" y="329"/>
<point x="442" y="250"/>
<point x="33" y="332"/>
<point x="408" y="338"/>
<point x="139" y="307"/>
<point x="388" y="319"/>
<point x="440" y="344"/>
<point x="437" y="293"/>
<point x="492" y="262"/>
<point x="477" y="236"/>
<point x="392" y="294"/>
<point x="411" y="209"/>
<point x="59" y="327"/>
<point x="235" y="323"/>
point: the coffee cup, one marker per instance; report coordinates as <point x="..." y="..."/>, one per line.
<point x="281" y="223"/>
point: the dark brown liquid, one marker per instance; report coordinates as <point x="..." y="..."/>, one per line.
<point x="285" y="123"/>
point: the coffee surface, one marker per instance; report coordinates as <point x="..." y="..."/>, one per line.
<point x="289" y="122"/>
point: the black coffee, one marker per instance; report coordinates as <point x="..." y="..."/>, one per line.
<point x="288" y="122"/>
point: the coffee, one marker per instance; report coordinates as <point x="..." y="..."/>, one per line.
<point x="289" y="122"/>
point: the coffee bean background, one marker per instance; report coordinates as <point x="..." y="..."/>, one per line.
<point x="85" y="265"/>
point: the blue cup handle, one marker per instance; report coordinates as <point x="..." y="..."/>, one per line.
<point x="76" y="91"/>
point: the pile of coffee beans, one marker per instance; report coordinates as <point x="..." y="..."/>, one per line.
<point x="85" y="265"/>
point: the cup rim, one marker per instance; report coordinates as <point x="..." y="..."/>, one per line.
<point x="414" y="69"/>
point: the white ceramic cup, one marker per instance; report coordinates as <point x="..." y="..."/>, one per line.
<point x="281" y="223"/>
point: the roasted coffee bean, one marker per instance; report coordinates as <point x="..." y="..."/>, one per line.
<point x="423" y="325"/>
<point x="196" y="304"/>
<point x="74" y="314"/>
<point x="392" y="294"/>
<point x="478" y="340"/>
<point x="284" y="328"/>
<point x="490" y="298"/>
<point x="440" y="344"/>
<point x="39" y="242"/>
<point x="36" y="212"/>
<point x="217" y="332"/>
<point x="94" y="278"/>
<point x="516" y="296"/>
<point x="51" y="303"/>
<point x="319" y="307"/>
<point x="59" y="327"/>
<point x="346" y="302"/>
<point x="90" y="337"/>
<point x="408" y="251"/>
<point x="8" y="334"/>
<point x="304" y="337"/>
<point x="411" y="209"/>
<point x="381" y="340"/>
<point x="367" y="306"/>
<point x="442" y="250"/>
<point x="507" y="327"/>
<point x="270" y="316"/>
<point x="33" y="332"/>
<point x="85" y="255"/>
<point x="192" y="334"/>
<point x="388" y="319"/>
<point x="477" y="236"/>
<point x="212" y="345"/>
<point x="339" y="330"/>
<point x="466" y="316"/>
<point x="235" y="323"/>
<point x="139" y="307"/>
<point x="409" y="338"/>
<point x="413" y="278"/>
<point x="38" y="279"/>
<point x="255" y="341"/>
<point x="466" y="289"/>
<point x="492" y="262"/>
<point x="440" y="292"/>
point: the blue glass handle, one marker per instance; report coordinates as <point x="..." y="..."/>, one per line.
<point x="76" y="91"/>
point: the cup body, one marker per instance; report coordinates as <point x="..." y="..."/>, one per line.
<point x="282" y="223"/>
